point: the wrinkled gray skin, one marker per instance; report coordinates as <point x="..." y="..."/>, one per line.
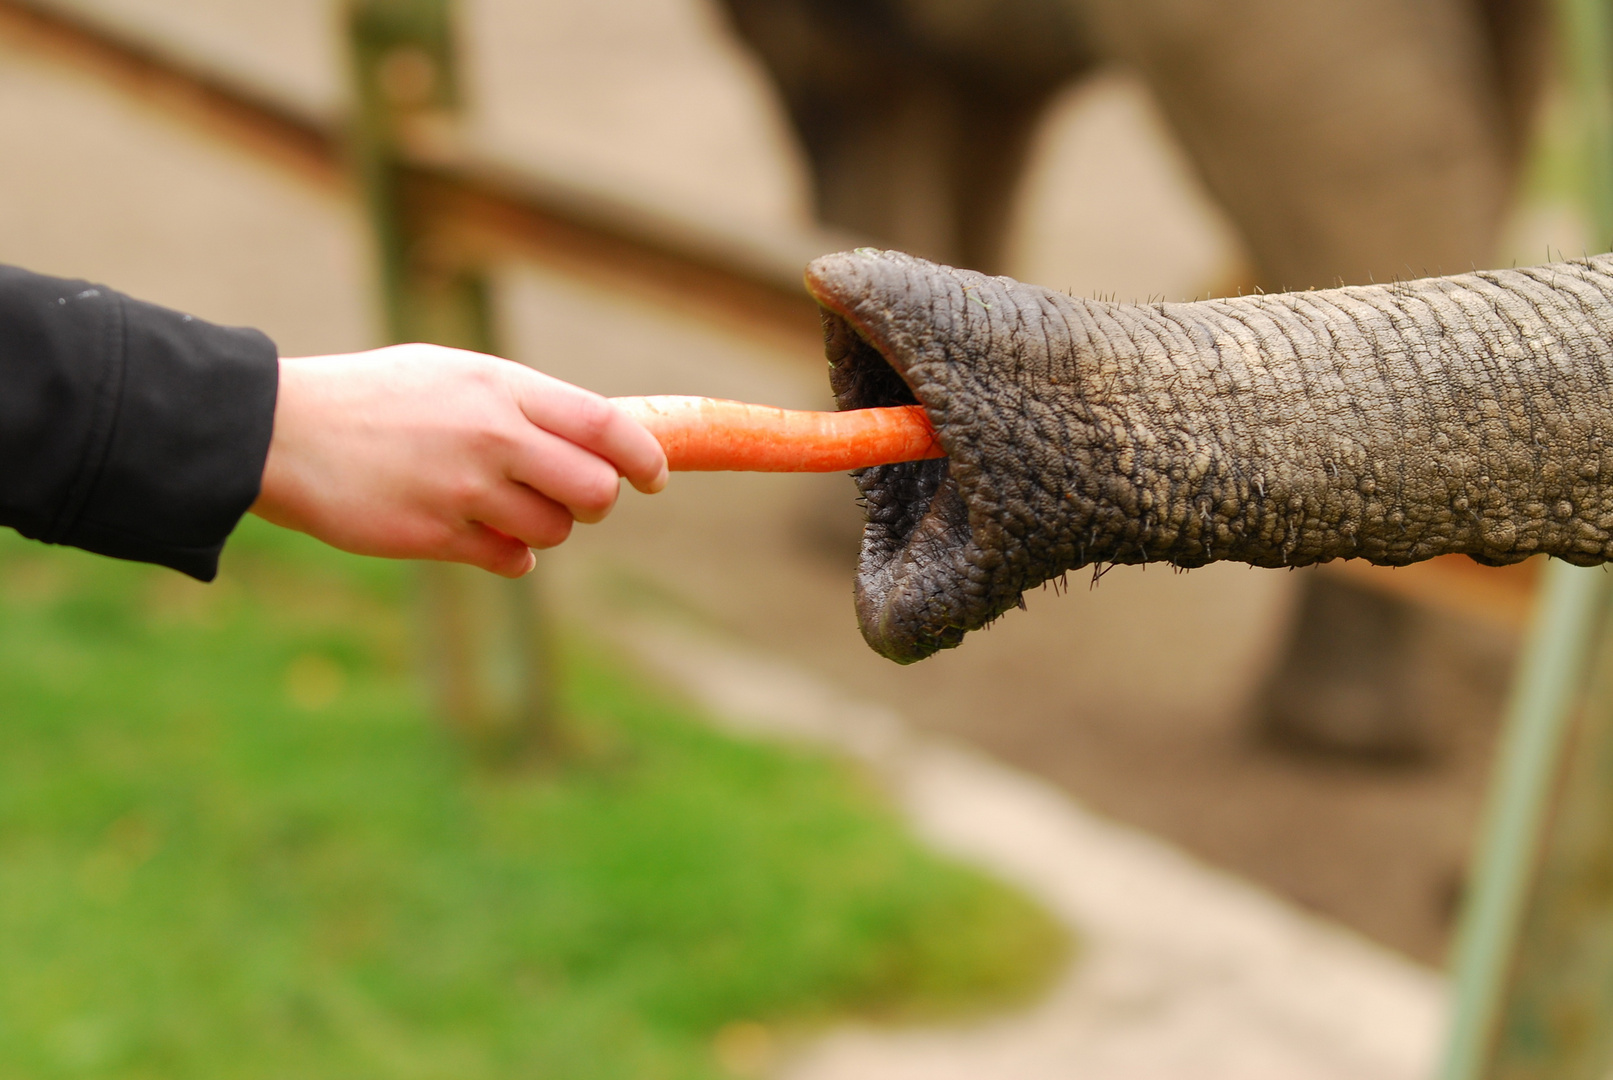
<point x="1469" y="414"/>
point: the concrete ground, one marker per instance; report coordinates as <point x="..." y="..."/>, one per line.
<point x="1132" y="696"/>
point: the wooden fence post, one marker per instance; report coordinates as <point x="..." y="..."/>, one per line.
<point x="492" y="656"/>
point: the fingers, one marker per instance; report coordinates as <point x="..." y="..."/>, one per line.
<point x="520" y="513"/>
<point x="590" y="421"/>
<point x="493" y="551"/>
<point x="584" y="483"/>
<point x="514" y="522"/>
<point x="426" y="452"/>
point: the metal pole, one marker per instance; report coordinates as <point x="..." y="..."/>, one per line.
<point x="1546" y="694"/>
<point x="1533" y="964"/>
<point x="1586" y="31"/>
<point x="491" y="654"/>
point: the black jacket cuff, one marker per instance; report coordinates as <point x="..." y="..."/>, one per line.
<point x="152" y="426"/>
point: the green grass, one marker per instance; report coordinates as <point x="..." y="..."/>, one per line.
<point x="233" y="844"/>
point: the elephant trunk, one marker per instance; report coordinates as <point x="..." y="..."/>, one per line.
<point x="1391" y="423"/>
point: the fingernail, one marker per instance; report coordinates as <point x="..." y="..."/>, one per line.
<point x="661" y="480"/>
<point x="531" y="562"/>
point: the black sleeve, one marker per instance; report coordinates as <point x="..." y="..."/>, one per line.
<point x="125" y="428"/>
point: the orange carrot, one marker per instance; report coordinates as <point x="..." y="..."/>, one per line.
<point x="701" y="434"/>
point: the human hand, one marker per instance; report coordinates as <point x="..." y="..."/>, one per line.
<point x="426" y="452"/>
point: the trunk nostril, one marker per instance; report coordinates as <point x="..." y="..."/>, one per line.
<point x="859" y="374"/>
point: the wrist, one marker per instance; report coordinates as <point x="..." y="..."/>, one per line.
<point x="282" y="485"/>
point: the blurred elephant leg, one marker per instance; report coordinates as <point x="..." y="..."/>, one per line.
<point x="930" y="168"/>
<point x="915" y="132"/>
<point x="1349" y="142"/>
<point x="1336" y="688"/>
